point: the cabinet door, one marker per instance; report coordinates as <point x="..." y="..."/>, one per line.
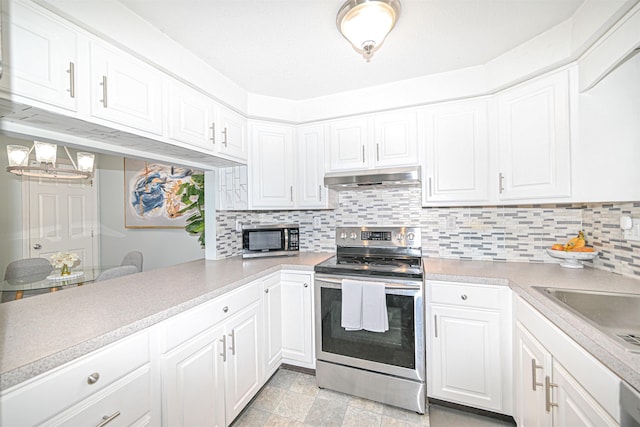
<point x="576" y="407"/>
<point x="311" y="191"/>
<point x="193" y="391"/>
<point x="457" y="333"/>
<point x="271" y="166"/>
<point x="457" y="153"/>
<point x="348" y="144"/>
<point x="232" y="128"/>
<point x="272" y="306"/>
<point x="242" y="373"/>
<point x="533" y="365"/>
<point x="125" y="90"/>
<point x="534" y="139"/>
<point x="190" y="117"/>
<point x="39" y="57"/>
<point x="395" y="139"/>
<point x="297" y="319"/>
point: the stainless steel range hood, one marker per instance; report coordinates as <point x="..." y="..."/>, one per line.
<point x="389" y="177"/>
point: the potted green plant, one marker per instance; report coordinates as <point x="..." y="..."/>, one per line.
<point x="192" y="196"/>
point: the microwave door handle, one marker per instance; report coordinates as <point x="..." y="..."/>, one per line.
<point x="286" y="239"/>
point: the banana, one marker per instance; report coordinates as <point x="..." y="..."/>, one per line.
<point x="575" y="243"/>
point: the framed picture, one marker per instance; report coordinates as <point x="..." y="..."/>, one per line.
<point x="150" y="194"/>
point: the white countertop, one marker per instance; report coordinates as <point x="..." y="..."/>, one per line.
<point x="44" y="332"/>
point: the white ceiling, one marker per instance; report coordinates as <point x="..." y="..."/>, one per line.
<point x="292" y="49"/>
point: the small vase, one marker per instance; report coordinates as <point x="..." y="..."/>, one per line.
<point x="65" y="270"/>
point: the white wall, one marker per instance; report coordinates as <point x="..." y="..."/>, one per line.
<point x="160" y="247"/>
<point x="10" y="209"/>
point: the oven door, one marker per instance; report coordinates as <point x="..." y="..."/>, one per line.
<point x="400" y="351"/>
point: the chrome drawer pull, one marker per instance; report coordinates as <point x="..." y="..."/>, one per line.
<point x="223" y="340"/>
<point x="108" y="418"/>
<point x="225" y="309"/>
<point x="72" y="79"/>
<point x="233" y="342"/>
<point x="463" y="297"/>
<point x="93" y="378"/>
<point x="534" y="367"/>
<point x="104" y="91"/>
<point x="547" y="393"/>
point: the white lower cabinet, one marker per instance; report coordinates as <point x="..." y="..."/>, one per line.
<point x="212" y="363"/>
<point x="297" y="319"/>
<point x="557" y="382"/>
<point x="272" y="310"/>
<point x="469" y="345"/>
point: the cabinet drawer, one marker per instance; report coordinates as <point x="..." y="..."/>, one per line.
<point x="187" y="325"/>
<point x="127" y="402"/>
<point x="464" y="295"/>
<point x="50" y="393"/>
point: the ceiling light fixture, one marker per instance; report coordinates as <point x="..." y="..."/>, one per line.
<point x="44" y="165"/>
<point x="366" y="23"/>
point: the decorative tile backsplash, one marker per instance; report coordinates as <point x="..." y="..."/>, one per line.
<point x="500" y="233"/>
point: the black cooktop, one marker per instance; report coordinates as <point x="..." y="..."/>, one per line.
<point x="400" y="269"/>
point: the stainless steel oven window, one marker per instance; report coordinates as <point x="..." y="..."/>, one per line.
<point x="265" y="240"/>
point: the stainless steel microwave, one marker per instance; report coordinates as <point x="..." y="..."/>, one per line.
<point x="270" y="240"/>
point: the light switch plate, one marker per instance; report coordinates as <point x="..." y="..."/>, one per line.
<point x="632" y="233"/>
<point x="317" y="222"/>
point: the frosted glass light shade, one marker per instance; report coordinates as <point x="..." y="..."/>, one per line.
<point x="45" y="152"/>
<point x="366" y="23"/>
<point x="85" y="161"/>
<point x="17" y="155"/>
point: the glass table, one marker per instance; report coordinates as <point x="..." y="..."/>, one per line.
<point x="52" y="281"/>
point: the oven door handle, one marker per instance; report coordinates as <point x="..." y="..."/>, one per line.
<point x="386" y="284"/>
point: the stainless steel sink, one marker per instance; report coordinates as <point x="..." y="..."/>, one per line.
<point x="615" y="314"/>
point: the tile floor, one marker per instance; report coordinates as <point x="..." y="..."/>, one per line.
<point x="292" y="398"/>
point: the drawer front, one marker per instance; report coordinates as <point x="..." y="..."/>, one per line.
<point x="187" y="325"/>
<point x="465" y="295"/>
<point x="50" y="393"/>
<point x="124" y="403"/>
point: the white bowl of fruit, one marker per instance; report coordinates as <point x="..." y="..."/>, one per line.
<point x="572" y="252"/>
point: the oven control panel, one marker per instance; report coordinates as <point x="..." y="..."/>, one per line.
<point x="379" y="236"/>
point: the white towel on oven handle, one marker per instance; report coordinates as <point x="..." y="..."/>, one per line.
<point x="351" y="316"/>
<point x="374" y="307"/>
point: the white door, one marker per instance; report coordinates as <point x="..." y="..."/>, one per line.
<point x="297" y="318"/>
<point x="533" y="365"/>
<point x="40" y="57"/>
<point x="311" y="191"/>
<point x="193" y="382"/>
<point x="457" y="153"/>
<point x="348" y="144"/>
<point x="272" y="323"/>
<point x="62" y="217"/>
<point x="396" y="139"/>
<point x="534" y="139"/>
<point x="459" y="333"/>
<point x="242" y="377"/>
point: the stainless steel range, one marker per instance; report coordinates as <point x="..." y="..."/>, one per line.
<point x="387" y="365"/>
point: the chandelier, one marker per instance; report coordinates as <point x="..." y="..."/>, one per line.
<point x="366" y="23"/>
<point x="44" y="165"/>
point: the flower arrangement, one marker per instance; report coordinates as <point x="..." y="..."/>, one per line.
<point x="64" y="261"/>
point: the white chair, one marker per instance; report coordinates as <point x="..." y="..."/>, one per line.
<point x="112" y="273"/>
<point x="26" y="270"/>
<point x="133" y="258"/>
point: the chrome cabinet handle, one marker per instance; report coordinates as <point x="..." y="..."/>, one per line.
<point x="378" y="152"/>
<point x="463" y="297"/>
<point x="320" y="192"/>
<point x="534" y="382"/>
<point x="108" y="418"/>
<point x="225" y="309"/>
<point x="435" y="324"/>
<point x="223" y="340"/>
<point x="224" y="132"/>
<point x="72" y="79"/>
<point x="363" y="154"/>
<point x="233" y="342"/>
<point x="291" y="192"/>
<point x="500" y="182"/>
<point x="104" y="91"/>
<point x="93" y="378"/>
<point x="266" y="291"/>
<point x="213" y="133"/>
<point x="37" y="246"/>
<point x="306" y="285"/>
<point x="430" y="193"/>
<point x="547" y="393"/>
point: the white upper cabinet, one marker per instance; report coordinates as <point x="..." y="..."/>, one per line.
<point x="231" y="139"/>
<point x="311" y="190"/>
<point x="191" y="117"/>
<point x="534" y="139"/>
<point x="456" y="153"/>
<point x="40" y="57"/>
<point x="125" y="90"/>
<point x="383" y="140"/>
<point x="271" y="166"/>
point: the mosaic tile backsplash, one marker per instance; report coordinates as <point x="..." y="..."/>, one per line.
<point x="499" y="233"/>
